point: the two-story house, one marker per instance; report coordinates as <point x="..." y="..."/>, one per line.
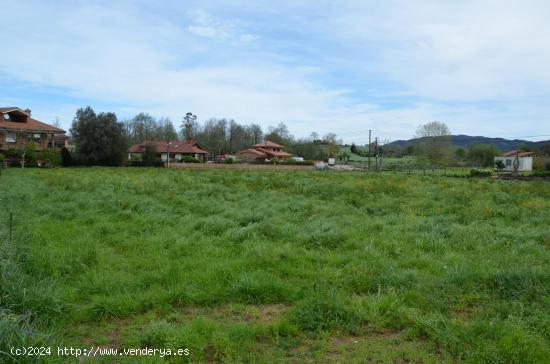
<point x="17" y="128"/>
<point x="262" y="151"/>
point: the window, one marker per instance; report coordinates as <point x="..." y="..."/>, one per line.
<point x="508" y="162"/>
<point x="10" y="137"/>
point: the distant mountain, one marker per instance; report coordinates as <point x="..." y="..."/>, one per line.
<point x="464" y="141"/>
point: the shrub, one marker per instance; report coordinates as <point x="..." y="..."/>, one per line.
<point x="13" y="153"/>
<point x="499" y="165"/>
<point x="189" y="159"/>
<point x="480" y="173"/>
<point x="66" y="157"/>
<point x="229" y="160"/>
<point x="31" y="155"/>
<point x="49" y="157"/>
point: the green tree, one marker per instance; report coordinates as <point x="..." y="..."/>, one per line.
<point x="99" y="138"/>
<point x="280" y="135"/>
<point x="332" y="144"/>
<point x="255" y="134"/>
<point x="189" y="126"/>
<point x="149" y="155"/>
<point x="166" y="130"/>
<point x="460" y="154"/>
<point x="433" y="147"/>
<point x="482" y="155"/>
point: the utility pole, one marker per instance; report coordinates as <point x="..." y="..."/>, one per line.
<point x="167" y="153"/>
<point x="376" y="151"/>
<point x="369" y="147"/>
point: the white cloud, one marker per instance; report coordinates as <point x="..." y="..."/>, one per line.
<point x="445" y="50"/>
<point x="205" y="25"/>
<point x="307" y="64"/>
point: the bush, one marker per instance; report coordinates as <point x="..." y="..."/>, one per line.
<point x="31" y="154"/>
<point x="229" y="160"/>
<point x="66" y="157"/>
<point x="189" y="159"/>
<point x="480" y="173"/>
<point x="499" y="165"/>
<point x="49" y="157"/>
<point x="13" y="153"/>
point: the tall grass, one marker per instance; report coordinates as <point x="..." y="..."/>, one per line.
<point x="456" y="269"/>
<point x="29" y="305"/>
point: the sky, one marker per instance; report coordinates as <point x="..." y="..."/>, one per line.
<point x="480" y="66"/>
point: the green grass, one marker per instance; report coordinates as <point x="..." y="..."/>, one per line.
<point x="276" y="266"/>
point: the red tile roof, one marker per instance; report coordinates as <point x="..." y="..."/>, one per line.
<point x="267" y="143"/>
<point x="513" y="153"/>
<point x="29" y="124"/>
<point x="253" y="151"/>
<point x="176" y="146"/>
<point x="276" y="154"/>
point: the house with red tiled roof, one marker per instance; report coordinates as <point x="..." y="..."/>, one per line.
<point x="265" y="150"/>
<point x="18" y="127"/>
<point x="173" y="150"/>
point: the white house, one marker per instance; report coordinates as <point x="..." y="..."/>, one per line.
<point x="524" y="161"/>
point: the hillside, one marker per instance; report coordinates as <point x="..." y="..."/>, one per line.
<point x="464" y="141"/>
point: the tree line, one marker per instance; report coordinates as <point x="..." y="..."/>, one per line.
<point x="101" y="139"/>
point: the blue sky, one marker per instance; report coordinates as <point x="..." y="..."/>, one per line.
<point x="482" y="66"/>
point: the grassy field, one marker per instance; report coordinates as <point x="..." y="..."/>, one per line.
<point x="275" y="266"/>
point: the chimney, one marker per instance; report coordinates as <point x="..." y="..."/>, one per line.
<point x="28" y="111"/>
